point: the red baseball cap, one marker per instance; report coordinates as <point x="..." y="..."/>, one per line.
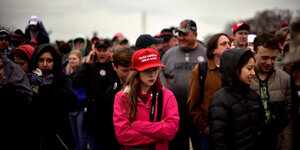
<point x="145" y="58"/>
<point x="239" y="25"/>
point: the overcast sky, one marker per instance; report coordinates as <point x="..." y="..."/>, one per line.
<point x="67" y="18"/>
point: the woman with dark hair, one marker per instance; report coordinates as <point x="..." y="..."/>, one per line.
<point x="236" y="113"/>
<point x="52" y="99"/>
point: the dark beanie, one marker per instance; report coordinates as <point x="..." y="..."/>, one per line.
<point x="4" y="33"/>
<point x="18" y="36"/>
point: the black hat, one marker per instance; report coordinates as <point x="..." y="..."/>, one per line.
<point x="166" y="34"/>
<point x="4" y="33"/>
<point x="102" y="43"/>
<point x="18" y="36"/>
<point x="121" y="39"/>
<point x="145" y="40"/>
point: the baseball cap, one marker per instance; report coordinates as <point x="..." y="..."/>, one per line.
<point x="239" y="26"/>
<point x="116" y="36"/>
<point x="145" y="40"/>
<point x="102" y="43"/>
<point x="187" y="26"/>
<point x="33" y="20"/>
<point x="145" y="58"/>
<point x="121" y="39"/>
<point x="95" y="38"/>
<point x="166" y="34"/>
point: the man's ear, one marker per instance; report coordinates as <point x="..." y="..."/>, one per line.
<point x="281" y="47"/>
<point x="114" y="66"/>
<point x="196" y="33"/>
<point x="254" y="54"/>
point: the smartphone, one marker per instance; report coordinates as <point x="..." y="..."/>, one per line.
<point x="94" y="57"/>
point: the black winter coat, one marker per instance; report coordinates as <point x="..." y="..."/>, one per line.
<point x="51" y="128"/>
<point x="50" y="107"/>
<point x="236" y="113"/>
<point x="95" y="78"/>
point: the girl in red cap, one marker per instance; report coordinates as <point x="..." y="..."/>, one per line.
<point x="145" y="114"/>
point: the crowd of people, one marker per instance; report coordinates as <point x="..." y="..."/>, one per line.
<point x="167" y="91"/>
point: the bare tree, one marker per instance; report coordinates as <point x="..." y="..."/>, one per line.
<point x="266" y="20"/>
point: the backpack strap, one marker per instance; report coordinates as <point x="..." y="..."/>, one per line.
<point x="202" y="70"/>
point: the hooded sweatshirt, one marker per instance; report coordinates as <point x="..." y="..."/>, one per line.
<point x="42" y="35"/>
<point x="83" y="50"/>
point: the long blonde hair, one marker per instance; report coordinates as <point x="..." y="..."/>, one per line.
<point x="79" y="55"/>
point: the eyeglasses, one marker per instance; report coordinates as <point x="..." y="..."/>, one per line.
<point x="225" y="43"/>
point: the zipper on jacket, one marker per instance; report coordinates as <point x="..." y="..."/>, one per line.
<point x="143" y="102"/>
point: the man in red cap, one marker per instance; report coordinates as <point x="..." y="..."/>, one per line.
<point x="240" y="33"/>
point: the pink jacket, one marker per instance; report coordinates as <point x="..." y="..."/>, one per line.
<point x="144" y="132"/>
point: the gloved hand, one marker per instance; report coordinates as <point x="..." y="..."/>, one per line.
<point x="35" y="79"/>
<point x="48" y="80"/>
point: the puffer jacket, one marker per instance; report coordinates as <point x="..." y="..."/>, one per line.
<point x="236" y="112"/>
<point x="142" y="132"/>
<point x="279" y="89"/>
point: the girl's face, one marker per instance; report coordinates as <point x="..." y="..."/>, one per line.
<point x="247" y="72"/>
<point x="74" y="60"/>
<point x="148" y="77"/>
<point x="45" y="62"/>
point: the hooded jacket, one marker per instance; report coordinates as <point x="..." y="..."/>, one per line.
<point x="83" y="51"/>
<point x="236" y="112"/>
<point x="16" y="95"/>
<point x="42" y="36"/>
<point x="142" y="131"/>
<point x="15" y="75"/>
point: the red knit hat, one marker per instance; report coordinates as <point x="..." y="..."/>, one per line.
<point x="146" y="58"/>
<point x="28" y="49"/>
